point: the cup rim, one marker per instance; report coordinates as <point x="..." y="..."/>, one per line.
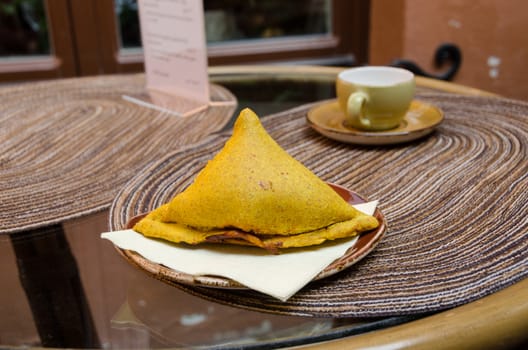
<point x="357" y="76"/>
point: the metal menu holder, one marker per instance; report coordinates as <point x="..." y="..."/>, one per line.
<point x="174" y="46"/>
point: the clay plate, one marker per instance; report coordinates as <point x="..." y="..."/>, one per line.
<point x="364" y="245"/>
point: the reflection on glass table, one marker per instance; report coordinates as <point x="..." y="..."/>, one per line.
<point x="121" y="307"/>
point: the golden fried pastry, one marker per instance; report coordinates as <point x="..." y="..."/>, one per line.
<point x="253" y="192"/>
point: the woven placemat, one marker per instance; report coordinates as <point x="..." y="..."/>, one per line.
<point x="67" y="146"/>
<point x="456" y="203"/>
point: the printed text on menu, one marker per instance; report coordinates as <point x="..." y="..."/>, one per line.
<point x="174" y="46"/>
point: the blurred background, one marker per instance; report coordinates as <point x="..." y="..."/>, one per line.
<point x="47" y="39"/>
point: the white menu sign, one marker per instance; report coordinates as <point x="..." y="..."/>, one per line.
<point x="175" y="51"/>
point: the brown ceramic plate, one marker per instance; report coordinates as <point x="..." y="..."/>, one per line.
<point x="364" y="245"/>
<point x="420" y="120"/>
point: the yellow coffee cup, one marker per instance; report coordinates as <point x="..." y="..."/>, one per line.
<point x="374" y="97"/>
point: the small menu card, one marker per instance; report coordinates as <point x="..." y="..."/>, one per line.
<point x="175" y="51"/>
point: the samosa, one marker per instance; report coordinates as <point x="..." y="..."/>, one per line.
<point x="253" y="192"/>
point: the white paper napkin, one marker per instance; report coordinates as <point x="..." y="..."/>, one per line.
<point x="280" y="276"/>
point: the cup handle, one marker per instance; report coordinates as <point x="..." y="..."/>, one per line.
<point x="355" y="104"/>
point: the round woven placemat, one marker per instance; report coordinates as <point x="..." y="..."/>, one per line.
<point x="67" y="146"/>
<point x="456" y="204"/>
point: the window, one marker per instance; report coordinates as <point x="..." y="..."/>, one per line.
<point x="35" y="40"/>
<point x="74" y="37"/>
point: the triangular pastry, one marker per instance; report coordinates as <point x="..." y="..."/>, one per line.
<point x="253" y="192"/>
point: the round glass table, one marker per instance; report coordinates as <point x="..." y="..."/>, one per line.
<point x="65" y="287"/>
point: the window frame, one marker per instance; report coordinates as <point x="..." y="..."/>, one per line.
<point x="84" y="41"/>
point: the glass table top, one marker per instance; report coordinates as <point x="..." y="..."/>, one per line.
<point x="65" y="287"/>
